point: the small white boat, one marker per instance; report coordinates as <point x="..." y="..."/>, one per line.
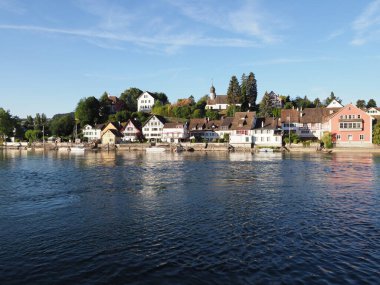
<point x="76" y="149"/>
<point x="265" y="149"/>
<point x="155" y="149"/>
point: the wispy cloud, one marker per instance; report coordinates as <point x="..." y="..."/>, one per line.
<point x="165" y="41"/>
<point x="247" y="19"/>
<point x="334" y="35"/>
<point x="282" y="61"/>
<point x="12" y="6"/>
<point x="367" y="25"/>
<point x="112" y="25"/>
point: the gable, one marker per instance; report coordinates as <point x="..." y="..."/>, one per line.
<point x="146" y="95"/>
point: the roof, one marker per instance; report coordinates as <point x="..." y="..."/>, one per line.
<point x="173" y="125"/>
<point x="243" y="120"/>
<point x="114" y="99"/>
<point x="147" y="92"/>
<point x="115" y="132"/>
<point x="226" y="122"/>
<point x="99" y="126"/>
<point x="267" y="123"/>
<point x="219" y="99"/>
<point x="203" y="124"/>
<point x="135" y="123"/>
<point x="160" y="118"/>
<point x="316" y="115"/>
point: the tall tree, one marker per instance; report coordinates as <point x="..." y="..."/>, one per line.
<point x="251" y="90"/>
<point x="6" y="124"/>
<point x="266" y="105"/>
<point x="130" y="96"/>
<point x="244" y="97"/>
<point x="360" y="104"/>
<point x="29" y="123"/>
<point x="162" y="97"/>
<point x="332" y="97"/>
<point x="234" y="91"/>
<point x="317" y="103"/>
<point x="37" y="122"/>
<point x="105" y="106"/>
<point x="371" y="103"/>
<point x="62" y="125"/>
<point x="87" y="111"/>
<point x="376" y="134"/>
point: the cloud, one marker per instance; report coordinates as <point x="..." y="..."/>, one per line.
<point x="334" y="35"/>
<point x="248" y="19"/>
<point x="366" y="26"/>
<point x="181" y="40"/>
<point x="12" y="6"/>
<point x="281" y="61"/>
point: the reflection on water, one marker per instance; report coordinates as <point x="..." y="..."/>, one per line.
<point x="189" y="218"/>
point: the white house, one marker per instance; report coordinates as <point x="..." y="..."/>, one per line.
<point x="334" y="104"/>
<point x="175" y="132"/>
<point x="92" y="133"/>
<point x="225" y="127"/>
<point x="145" y="102"/>
<point x="242" y="124"/>
<point x="153" y="127"/>
<point x="267" y="132"/>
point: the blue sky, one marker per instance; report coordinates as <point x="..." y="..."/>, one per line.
<point x="53" y="52"/>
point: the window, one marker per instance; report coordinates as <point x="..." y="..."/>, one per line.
<point x="246" y="139"/>
<point x="358" y="116"/>
<point x="268" y="139"/>
<point x="338" y="137"/>
<point x="361" y="137"/>
<point x="349" y="137"/>
<point x="262" y="139"/>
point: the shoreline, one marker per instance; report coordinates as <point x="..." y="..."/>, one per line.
<point x="196" y="147"/>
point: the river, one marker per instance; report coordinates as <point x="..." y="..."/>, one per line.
<point x="189" y="218"/>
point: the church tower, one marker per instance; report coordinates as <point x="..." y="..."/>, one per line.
<point x="212" y="92"/>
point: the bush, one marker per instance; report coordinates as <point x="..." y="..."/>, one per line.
<point x="327" y="140"/>
<point x="306" y="143"/>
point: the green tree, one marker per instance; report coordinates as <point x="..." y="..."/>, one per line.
<point x="251" y="90"/>
<point x="197" y="114"/>
<point x="327" y="140"/>
<point x="360" y="104"/>
<point x="288" y="105"/>
<point x="62" y="125"/>
<point x="104" y="105"/>
<point x="212" y="115"/>
<point x="371" y="103"/>
<point x="266" y="106"/>
<point x="232" y="109"/>
<point x="317" y="103"/>
<point x="234" y="91"/>
<point x="87" y="111"/>
<point x="244" y="96"/>
<point x="7" y="124"/>
<point x="32" y="135"/>
<point x="332" y="97"/>
<point x="37" y="122"/>
<point x="29" y="123"/>
<point x="130" y="96"/>
<point x="276" y="112"/>
<point x="376" y="134"/>
<point x="162" y="97"/>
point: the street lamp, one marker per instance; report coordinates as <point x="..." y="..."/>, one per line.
<point x="289" y="128"/>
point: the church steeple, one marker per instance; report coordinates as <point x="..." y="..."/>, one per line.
<point x="212" y="91"/>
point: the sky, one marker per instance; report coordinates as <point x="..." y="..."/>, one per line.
<point x="53" y="52"/>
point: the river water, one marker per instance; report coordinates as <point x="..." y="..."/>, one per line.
<point x="188" y="218"/>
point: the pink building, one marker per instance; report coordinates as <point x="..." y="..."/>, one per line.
<point x="351" y="126"/>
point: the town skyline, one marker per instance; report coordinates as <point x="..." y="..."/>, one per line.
<point x="59" y="52"/>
